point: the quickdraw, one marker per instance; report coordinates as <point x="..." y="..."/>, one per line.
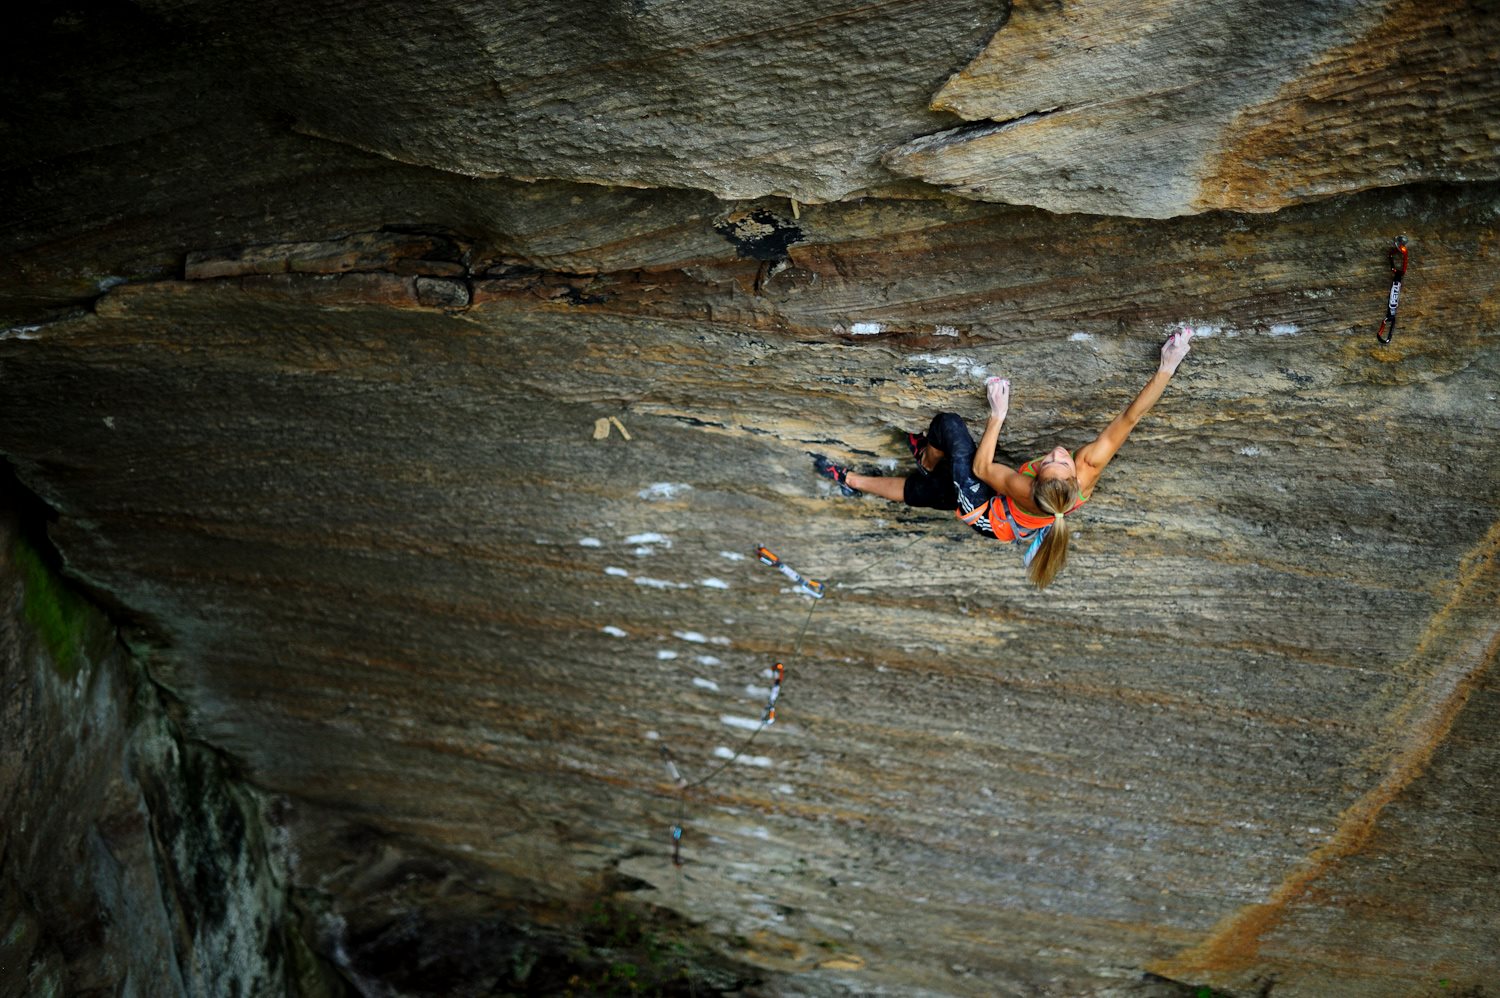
<point x="1397" y="258"/>
<point x="672" y="770"/>
<point x="812" y="587"/>
<point x="778" y="672"/>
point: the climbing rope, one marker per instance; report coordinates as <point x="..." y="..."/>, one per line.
<point x="811" y="587"/>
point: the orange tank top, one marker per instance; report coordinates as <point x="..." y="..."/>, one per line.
<point x="1008" y="521"/>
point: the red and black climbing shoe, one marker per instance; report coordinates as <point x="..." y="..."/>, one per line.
<point x="835" y="473"/>
<point x="918" y="443"/>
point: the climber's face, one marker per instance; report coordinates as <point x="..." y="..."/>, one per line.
<point x="1058" y="464"/>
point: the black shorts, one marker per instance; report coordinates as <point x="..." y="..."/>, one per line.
<point x="952" y="484"/>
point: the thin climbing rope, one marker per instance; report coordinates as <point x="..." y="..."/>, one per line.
<point x="683" y="786"/>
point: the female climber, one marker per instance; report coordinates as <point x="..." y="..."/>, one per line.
<point x="1027" y="505"/>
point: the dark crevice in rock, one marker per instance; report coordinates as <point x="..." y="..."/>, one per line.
<point x="760" y="234"/>
<point x="969" y="131"/>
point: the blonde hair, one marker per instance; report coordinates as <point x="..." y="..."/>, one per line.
<point x="1055" y="496"/>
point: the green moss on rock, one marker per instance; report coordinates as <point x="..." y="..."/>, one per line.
<point x="60" y="615"/>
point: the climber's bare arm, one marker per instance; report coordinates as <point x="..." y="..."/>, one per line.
<point x="997" y="476"/>
<point x="1094" y="456"/>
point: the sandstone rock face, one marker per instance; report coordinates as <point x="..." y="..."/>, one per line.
<point x="741" y="99"/>
<point x="434" y="501"/>
<point x="1160" y="109"/>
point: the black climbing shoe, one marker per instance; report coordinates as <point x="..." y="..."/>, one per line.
<point x="831" y="471"/>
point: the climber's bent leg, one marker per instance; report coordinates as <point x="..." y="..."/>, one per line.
<point x="948" y="434"/>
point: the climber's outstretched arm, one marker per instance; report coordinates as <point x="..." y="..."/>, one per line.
<point x="1094" y="456"/>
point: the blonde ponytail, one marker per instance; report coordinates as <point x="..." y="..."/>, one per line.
<point x="1055" y="496"/>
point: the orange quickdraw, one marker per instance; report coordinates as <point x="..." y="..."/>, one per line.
<point x="812" y="587"/>
<point x="1397" y="258"/>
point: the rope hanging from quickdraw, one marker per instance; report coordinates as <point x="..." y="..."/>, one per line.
<point x="810" y="587"/>
<point x="1397" y="259"/>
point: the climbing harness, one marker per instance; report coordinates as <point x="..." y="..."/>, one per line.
<point x="812" y="587"/>
<point x="1397" y="259"/>
<point x="1007" y="518"/>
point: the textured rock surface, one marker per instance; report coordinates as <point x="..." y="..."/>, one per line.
<point x="326" y="426"/>
<point x="742" y="99"/>
<point x="135" y="863"/>
<point x="1158" y="109"/>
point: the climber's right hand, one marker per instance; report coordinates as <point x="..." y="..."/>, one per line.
<point x="1174" y="350"/>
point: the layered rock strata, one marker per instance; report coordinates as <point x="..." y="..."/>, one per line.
<point x="434" y="497"/>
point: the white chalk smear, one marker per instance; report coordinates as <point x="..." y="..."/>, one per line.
<point x="786" y="788"/>
<point x="705" y="660"/>
<point x="866" y="328"/>
<point x="732" y="555"/>
<point x="612" y="570"/>
<point x="762" y="761"/>
<point x="945" y="331"/>
<point x="642" y="580"/>
<point x="1204" y="332"/>
<point x="652" y="736"/>
<point x="663" y="490"/>
<point x="614" y="631"/>
<point x="967" y="366"/>
<point x="707" y="684"/>
<point x="720" y="640"/>
<point x="1251" y="451"/>
<point x="1080" y="337"/>
<point x="692" y="636"/>
<point x="19" y="333"/>
<point x="666" y="655"/>
<point x="713" y="583"/>
<point x="1285" y="329"/>
<point x="748" y="723"/>
<point x="661" y="539"/>
<point x="590" y="542"/>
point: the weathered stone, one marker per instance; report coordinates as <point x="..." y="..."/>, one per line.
<point x="1158" y="109"/>
<point x="1263" y="633"/>
<point x="363" y="251"/>
<point x="391" y="572"/>
<point x="134" y="862"/>
<point x="740" y="99"/>
<point x="436" y="292"/>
